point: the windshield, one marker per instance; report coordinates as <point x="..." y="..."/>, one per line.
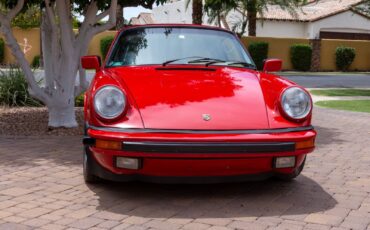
<point x="157" y="46"/>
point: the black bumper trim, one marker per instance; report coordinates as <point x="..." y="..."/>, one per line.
<point x="88" y="140"/>
<point x="182" y="131"/>
<point x="208" y="147"/>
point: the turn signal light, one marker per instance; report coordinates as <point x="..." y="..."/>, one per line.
<point x="305" y="144"/>
<point x="113" y="145"/>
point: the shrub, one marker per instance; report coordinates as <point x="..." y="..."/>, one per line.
<point x="344" y="57"/>
<point x="300" y="56"/>
<point x="31" y="18"/>
<point x="2" y="50"/>
<point x="36" y="61"/>
<point x="79" y="101"/>
<point x="105" y="44"/>
<point x="258" y="51"/>
<point x="14" y="89"/>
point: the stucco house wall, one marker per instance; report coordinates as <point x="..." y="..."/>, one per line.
<point x="281" y="29"/>
<point x="347" y="21"/>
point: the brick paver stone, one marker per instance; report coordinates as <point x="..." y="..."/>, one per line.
<point x="41" y="187"/>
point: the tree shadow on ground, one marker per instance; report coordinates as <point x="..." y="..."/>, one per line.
<point x="237" y="200"/>
<point x="30" y="151"/>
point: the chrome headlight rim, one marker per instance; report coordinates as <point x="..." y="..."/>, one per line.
<point x="119" y="112"/>
<point x="306" y="113"/>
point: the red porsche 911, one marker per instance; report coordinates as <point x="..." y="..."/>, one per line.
<point x="185" y="104"/>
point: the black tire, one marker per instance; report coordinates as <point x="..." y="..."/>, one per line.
<point x="89" y="177"/>
<point x="85" y="129"/>
<point x="293" y="175"/>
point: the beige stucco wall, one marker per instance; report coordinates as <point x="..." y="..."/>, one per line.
<point x="27" y="39"/>
<point x="31" y="38"/>
<point x="361" y="62"/>
<point x="278" y="47"/>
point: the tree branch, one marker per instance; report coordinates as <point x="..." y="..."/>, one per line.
<point x="13" y="12"/>
<point x="102" y="15"/>
<point x="110" y="23"/>
<point x="88" y="22"/>
<point x="65" y="25"/>
<point x="13" y="45"/>
<point x="50" y="12"/>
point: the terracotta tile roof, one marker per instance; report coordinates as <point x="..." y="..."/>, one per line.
<point x="142" y="19"/>
<point x="312" y="11"/>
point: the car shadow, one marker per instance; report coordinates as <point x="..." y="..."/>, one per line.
<point x="326" y="136"/>
<point x="237" y="200"/>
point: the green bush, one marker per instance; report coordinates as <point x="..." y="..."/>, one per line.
<point x="31" y="18"/>
<point x="14" y="89"/>
<point x="36" y="61"/>
<point x="105" y="44"/>
<point x="2" y="50"/>
<point x="344" y="56"/>
<point x="300" y="56"/>
<point x="258" y="51"/>
<point x="79" y="101"/>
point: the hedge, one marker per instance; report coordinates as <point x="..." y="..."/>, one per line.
<point x="258" y="51"/>
<point x="300" y="56"/>
<point x="2" y="51"/>
<point x="344" y="56"/>
<point x="105" y="45"/>
<point x="36" y="61"/>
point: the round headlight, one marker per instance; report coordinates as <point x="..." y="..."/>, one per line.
<point x="296" y="103"/>
<point x="109" y="102"/>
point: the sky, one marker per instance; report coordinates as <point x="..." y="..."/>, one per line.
<point x="130" y="12"/>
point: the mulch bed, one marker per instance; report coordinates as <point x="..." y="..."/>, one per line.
<point x="33" y="121"/>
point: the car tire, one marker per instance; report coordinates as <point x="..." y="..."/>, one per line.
<point x="293" y="175"/>
<point x="89" y="177"/>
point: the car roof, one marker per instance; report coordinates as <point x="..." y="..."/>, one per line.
<point x="176" y="26"/>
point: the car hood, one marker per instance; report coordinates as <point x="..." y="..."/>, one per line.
<point x="195" y="98"/>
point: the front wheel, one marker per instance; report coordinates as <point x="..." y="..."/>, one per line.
<point x="89" y="177"/>
<point x="293" y="175"/>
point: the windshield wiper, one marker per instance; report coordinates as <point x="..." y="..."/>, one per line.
<point x="206" y="60"/>
<point x="179" y="59"/>
<point x="245" y="64"/>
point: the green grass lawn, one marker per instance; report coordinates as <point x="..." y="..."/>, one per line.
<point x="341" y="92"/>
<point x="355" y="105"/>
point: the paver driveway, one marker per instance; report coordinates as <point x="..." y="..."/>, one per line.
<point x="41" y="187"/>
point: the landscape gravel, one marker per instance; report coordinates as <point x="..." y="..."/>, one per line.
<point x="32" y="121"/>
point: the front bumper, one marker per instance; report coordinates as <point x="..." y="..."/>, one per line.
<point x="199" y="155"/>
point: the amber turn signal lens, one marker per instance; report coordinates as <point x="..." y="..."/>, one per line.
<point x="103" y="144"/>
<point x="305" y="144"/>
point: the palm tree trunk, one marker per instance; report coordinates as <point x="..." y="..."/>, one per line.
<point x="197" y="12"/>
<point x="224" y="22"/>
<point x="219" y="19"/>
<point x="120" y="21"/>
<point x="252" y="17"/>
<point x="252" y="21"/>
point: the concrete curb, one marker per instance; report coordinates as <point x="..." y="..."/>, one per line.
<point x="314" y="74"/>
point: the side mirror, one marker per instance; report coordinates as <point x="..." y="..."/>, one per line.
<point x="91" y="62"/>
<point x="272" y="65"/>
